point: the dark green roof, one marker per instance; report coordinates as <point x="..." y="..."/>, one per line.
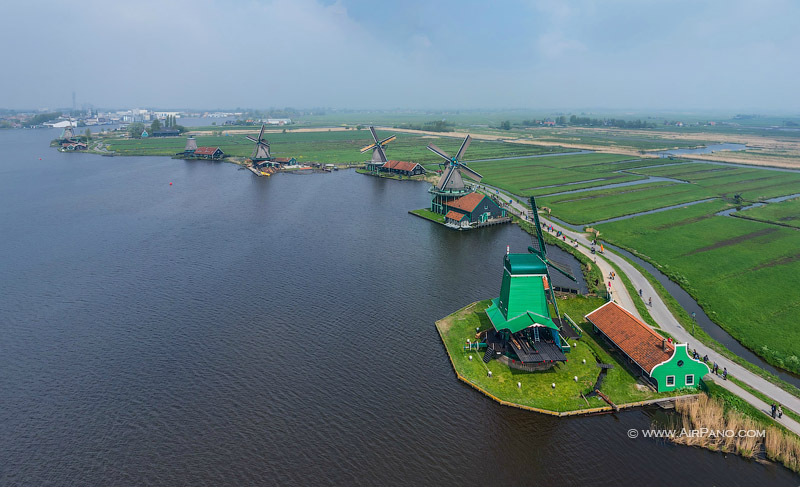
<point x="517" y="264"/>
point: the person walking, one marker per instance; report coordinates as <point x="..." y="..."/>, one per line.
<point x="774" y="410"/>
<point x="725" y="373"/>
<point x="650" y="301"/>
<point x="780" y="411"/>
<point x="640" y="293"/>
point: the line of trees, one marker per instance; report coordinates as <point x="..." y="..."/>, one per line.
<point x="435" y="126"/>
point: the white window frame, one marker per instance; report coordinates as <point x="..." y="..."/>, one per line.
<point x="689" y="379"/>
<point x="667" y="381"/>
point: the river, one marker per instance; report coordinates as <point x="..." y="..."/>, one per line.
<point x="229" y="330"/>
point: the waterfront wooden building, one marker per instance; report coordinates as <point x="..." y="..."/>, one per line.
<point x="211" y="153"/>
<point x="667" y="366"/>
<point x="471" y="209"/>
<point x="73" y="146"/>
<point x="524" y="335"/>
<point x="403" y="168"/>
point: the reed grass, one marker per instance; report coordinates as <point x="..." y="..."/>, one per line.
<point x="709" y="414"/>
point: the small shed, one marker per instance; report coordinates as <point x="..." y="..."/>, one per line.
<point x="666" y="365"/>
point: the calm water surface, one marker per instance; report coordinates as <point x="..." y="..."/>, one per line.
<point x="232" y="330"/>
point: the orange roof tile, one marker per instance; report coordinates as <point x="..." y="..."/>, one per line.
<point x="468" y="202"/>
<point x="401" y="165"/>
<point x="455" y="215"/>
<point x="636" y="339"/>
<point x="206" y="151"/>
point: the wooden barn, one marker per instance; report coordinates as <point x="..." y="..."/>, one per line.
<point x="472" y="208"/>
<point x="403" y="168"/>
<point x="211" y="153"/>
<point x="666" y="365"/>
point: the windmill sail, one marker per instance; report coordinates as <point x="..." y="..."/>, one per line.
<point x="261" y="149"/>
<point x="378" y="147"/>
<point x="452" y="178"/>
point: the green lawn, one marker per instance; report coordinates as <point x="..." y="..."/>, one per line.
<point x="331" y="147"/>
<point x="537" y="390"/>
<point x="745" y="274"/>
<point x="591" y="206"/>
<point x="428" y="215"/>
<point x="784" y="213"/>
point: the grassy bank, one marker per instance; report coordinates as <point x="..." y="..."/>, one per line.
<point x="428" y="215"/>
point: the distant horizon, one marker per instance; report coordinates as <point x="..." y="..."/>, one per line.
<point x="548" y="111"/>
<point x="718" y="55"/>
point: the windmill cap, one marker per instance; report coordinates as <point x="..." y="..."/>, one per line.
<point x="517" y="264"/>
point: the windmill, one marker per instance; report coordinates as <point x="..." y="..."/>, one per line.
<point x="68" y="134"/>
<point x="378" y="152"/>
<point x="539" y="249"/>
<point x="451" y="180"/>
<point x="261" y="150"/>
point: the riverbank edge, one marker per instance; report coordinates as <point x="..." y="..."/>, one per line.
<point x="548" y="412"/>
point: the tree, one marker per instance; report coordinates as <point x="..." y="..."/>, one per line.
<point x="88" y="135"/>
<point x="506" y="125"/>
<point x="136" y="129"/>
<point x="156" y="125"/>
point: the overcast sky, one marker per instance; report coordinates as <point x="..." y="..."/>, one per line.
<point x="637" y="54"/>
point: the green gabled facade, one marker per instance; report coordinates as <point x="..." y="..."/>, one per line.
<point x="523" y="296"/>
<point x="681" y="371"/>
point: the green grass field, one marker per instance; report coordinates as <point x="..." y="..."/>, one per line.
<point x="784" y="213"/>
<point x="331" y="147"/>
<point x="537" y="176"/>
<point x="537" y="390"/>
<point x="744" y="273"/>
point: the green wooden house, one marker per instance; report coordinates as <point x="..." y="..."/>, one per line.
<point x="666" y="365"/>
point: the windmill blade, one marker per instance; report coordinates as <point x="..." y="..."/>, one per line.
<point x="537" y="239"/>
<point x="261" y="133"/>
<point x="387" y="140"/>
<point x="439" y="152"/>
<point x="251" y="138"/>
<point x="448" y="174"/>
<point x="374" y="135"/>
<point x="563" y="269"/>
<point x="463" y="149"/>
<point x="381" y="153"/>
<point x="365" y="149"/>
<point x="474" y="175"/>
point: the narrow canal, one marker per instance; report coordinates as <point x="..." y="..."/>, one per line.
<point x="233" y="330"/>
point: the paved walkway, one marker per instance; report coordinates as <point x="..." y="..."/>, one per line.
<point x="661" y="314"/>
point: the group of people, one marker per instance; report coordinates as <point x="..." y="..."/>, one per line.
<point x="714" y="367"/>
<point x="777" y="411"/>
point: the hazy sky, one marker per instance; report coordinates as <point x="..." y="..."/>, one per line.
<point x="636" y="54"/>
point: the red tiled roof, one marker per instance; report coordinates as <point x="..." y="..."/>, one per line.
<point x="636" y="339"/>
<point x="454" y="215"/>
<point x="281" y="159"/>
<point x="467" y="203"/>
<point x="206" y="151"/>
<point x="401" y="165"/>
